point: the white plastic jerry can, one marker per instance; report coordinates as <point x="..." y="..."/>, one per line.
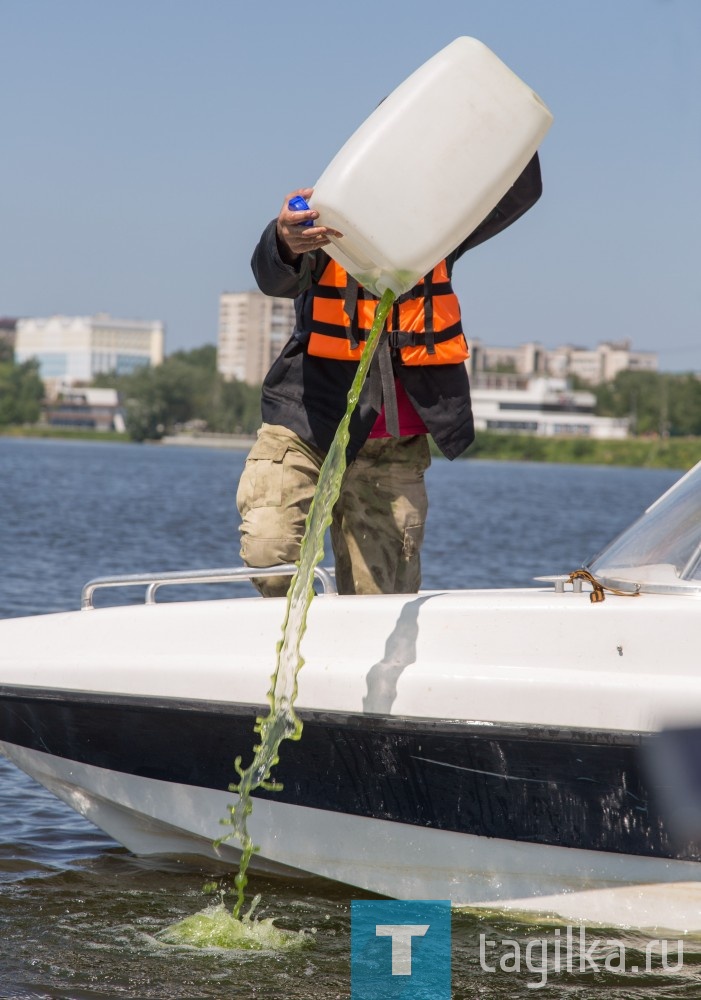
<point x="428" y="166"/>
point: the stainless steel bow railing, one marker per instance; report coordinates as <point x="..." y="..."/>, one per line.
<point x="154" y="581"/>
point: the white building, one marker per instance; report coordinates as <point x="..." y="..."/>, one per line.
<point x="253" y="328"/>
<point x="96" y="409"/>
<point x="600" y="364"/>
<point x="594" y="365"/>
<point x="522" y="359"/>
<point x="73" y="349"/>
<point x="542" y="406"/>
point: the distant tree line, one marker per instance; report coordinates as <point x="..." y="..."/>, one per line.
<point x="186" y="387"/>
<point x="21" y="392"/>
<point x="656" y="403"/>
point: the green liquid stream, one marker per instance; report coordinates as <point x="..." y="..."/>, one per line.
<point x="281" y="722"/>
<point x="216" y="926"/>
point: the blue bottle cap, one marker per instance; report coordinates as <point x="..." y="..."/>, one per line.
<point x="298" y="204"/>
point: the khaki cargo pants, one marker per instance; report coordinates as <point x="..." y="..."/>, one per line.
<point x="378" y="522"/>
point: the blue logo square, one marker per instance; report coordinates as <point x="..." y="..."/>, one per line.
<point x="400" y="948"/>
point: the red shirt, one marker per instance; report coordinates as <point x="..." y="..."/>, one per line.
<point x="409" y="420"/>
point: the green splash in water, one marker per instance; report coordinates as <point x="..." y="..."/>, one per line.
<point x="281" y="722"/>
<point x="217" y="927"/>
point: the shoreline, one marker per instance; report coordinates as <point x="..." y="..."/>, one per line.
<point x="645" y="453"/>
<point x="235" y="442"/>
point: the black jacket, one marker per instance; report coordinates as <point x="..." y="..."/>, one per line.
<point x="308" y="394"/>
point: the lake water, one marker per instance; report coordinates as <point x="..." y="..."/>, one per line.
<point x="77" y="912"/>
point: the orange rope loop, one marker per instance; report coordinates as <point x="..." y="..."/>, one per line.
<point x="597" y="595"/>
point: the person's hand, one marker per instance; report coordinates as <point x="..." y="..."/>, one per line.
<point x="295" y="239"/>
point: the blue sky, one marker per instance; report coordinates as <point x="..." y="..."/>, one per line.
<point x="147" y="142"/>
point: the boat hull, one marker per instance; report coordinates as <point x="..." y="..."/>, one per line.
<point x="483" y="747"/>
<point x="150" y="816"/>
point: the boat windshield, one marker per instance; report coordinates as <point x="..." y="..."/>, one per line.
<point x="661" y="551"/>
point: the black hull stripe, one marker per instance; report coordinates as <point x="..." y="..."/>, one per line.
<point x="575" y="788"/>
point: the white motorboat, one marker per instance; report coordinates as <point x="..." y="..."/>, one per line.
<point x="482" y="746"/>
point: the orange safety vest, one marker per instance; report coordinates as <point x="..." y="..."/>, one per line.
<point x="424" y="324"/>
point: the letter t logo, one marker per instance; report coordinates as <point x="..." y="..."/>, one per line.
<point x="401" y="935"/>
<point x="416" y="958"/>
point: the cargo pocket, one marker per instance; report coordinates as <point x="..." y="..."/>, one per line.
<point x="261" y="482"/>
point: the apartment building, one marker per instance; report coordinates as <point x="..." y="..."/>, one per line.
<point x="593" y="365"/>
<point x="253" y="328"/>
<point x="600" y="364"/>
